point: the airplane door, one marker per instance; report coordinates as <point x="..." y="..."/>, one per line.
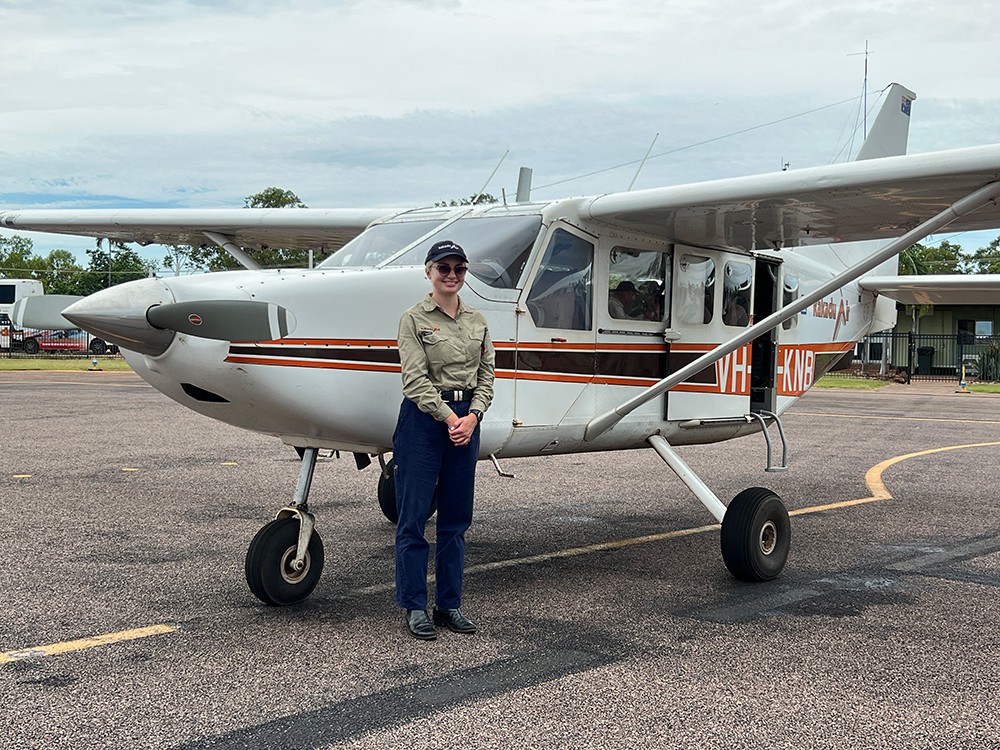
<point x="712" y="302"/>
<point x="633" y="313"/>
<point x="555" y="332"/>
<point x="764" y="348"/>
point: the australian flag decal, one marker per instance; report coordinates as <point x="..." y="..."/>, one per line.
<point x="906" y="106"/>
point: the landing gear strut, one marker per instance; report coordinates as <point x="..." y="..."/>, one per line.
<point x="756" y="532"/>
<point x="285" y="558"/>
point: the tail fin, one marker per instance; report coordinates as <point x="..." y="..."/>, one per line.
<point x="892" y="125"/>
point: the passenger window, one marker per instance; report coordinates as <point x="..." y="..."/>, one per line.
<point x="639" y="284"/>
<point x="561" y="293"/>
<point x="695" y="290"/>
<point x="789" y="293"/>
<point x="736" y="284"/>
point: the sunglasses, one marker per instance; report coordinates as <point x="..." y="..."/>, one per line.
<point x="444" y="269"/>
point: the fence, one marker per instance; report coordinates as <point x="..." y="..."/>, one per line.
<point x="913" y="356"/>
<point x="28" y="342"/>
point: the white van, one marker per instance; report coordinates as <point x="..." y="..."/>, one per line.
<point x="11" y="290"/>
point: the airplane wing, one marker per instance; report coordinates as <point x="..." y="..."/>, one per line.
<point x="977" y="289"/>
<point x="319" y="228"/>
<point x="861" y="200"/>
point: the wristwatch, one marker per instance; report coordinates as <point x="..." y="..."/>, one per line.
<point x="479" y="414"/>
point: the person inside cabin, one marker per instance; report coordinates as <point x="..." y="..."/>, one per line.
<point x="447" y="361"/>
<point x="622" y="300"/>
<point x="735" y="313"/>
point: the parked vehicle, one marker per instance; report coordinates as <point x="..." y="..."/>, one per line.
<point x="49" y="340"/>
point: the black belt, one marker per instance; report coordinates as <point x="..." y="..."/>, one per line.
<point x="465" y="395"/>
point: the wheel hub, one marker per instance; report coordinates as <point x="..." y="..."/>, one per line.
<point x="768" y="537"/>
<point x="289" y="572"/>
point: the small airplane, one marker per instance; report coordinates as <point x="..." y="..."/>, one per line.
<point x="657" y="318"/>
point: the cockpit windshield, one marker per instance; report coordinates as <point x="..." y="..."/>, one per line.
<point x="497" y="246"/>
<point x="378" y="243"/>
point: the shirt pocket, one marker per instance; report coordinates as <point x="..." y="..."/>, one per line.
<point x="474" y="346"/>
<point x="437" y="349"/>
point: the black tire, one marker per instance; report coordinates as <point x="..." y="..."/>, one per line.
<point x="387" y="494"/>
<point x="756" y="535"/>
<point x="31" y="346"/>
<point x="269" y="575"/>
<point x="98" y="347"/>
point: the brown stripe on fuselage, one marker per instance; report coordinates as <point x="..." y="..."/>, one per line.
<point x="600" y="362"/>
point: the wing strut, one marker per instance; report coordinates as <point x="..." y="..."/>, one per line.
<point x="986" y="194"/>
<point x="227" y="244"/>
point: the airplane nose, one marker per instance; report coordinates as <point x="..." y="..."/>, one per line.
<point x="118" y="315"/>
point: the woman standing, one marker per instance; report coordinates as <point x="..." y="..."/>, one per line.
<point x="447" y="363"/>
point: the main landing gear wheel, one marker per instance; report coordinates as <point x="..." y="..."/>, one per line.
<point x="387" y="493"/>
<point x="270" y="574"/>
<point x="755" y="535"/>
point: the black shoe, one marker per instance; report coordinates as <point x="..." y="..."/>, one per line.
<point x="454" y="620"/>
<point x="419" y="625"/>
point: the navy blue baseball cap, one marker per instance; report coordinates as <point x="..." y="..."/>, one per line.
<point x="443" y="249"/>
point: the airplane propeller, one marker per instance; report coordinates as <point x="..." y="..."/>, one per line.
<point x="226" y="320"/>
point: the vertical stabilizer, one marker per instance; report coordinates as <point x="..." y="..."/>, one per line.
<point x="892" y="126"/>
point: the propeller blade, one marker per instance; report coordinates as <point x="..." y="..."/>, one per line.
<point x="43" y="311"/>
<point x="226" y="320"/>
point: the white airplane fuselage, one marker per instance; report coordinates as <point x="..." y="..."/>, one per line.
<point x="334" y="381"/>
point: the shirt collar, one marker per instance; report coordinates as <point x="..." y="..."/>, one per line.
<point x="429" y="305"/>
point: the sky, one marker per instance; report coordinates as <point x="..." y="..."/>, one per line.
<point x="367" y="103"/>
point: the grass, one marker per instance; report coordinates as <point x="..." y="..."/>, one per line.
<point x="62" y="363"/>
<point x="984" y="387"/>
<point x="854" y="384"/>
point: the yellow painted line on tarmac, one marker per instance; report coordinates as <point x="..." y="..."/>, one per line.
<point x="22" y="476"/>
<point x="6" y="657"/>
<point x="129" y="468"/>
<point x="873" y="478"/>
<point x="229" y="463"/>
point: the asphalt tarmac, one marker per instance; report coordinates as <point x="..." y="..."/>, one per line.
<point x="606" y="616"/>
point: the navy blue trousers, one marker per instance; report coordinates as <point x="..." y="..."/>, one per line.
<point x="427" y="461"/>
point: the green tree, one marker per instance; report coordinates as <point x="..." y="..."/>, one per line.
<point x="114" y="264"/>
<point x="18" y="259"/>
<point x="945" y="257"/>
<point x="987" y="259"/>
<point x="472" y="200"/>
<point x="216" y="259"/>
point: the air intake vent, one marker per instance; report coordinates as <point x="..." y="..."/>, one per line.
<point x="202" y="395"/>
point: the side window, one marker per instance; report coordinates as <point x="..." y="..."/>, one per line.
<point x="695" y="300"/>
<point x="561" y="295"/>
<point x="789" y="293"/>
<point x="736" y="285"/>
<point x="639" y="284"/>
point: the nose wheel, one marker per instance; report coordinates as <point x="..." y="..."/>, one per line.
<point x="273" y="573"/>
<point x="285" y="558"/>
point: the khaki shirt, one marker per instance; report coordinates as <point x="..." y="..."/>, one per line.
<point x="441" y="353"/>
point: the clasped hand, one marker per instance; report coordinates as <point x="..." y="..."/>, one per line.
<point x="460" y="430"/>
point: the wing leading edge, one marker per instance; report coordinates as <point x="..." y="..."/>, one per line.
<point x="977" y="289"/>
<point x="318" y="228"/>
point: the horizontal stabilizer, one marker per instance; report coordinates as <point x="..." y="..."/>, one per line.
<point x="43" y="311"/>
<point x="952" y="289"/>
<point x="225" y="320"/>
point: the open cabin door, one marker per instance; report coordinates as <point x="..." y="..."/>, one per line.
<point x="764" y="349"/>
